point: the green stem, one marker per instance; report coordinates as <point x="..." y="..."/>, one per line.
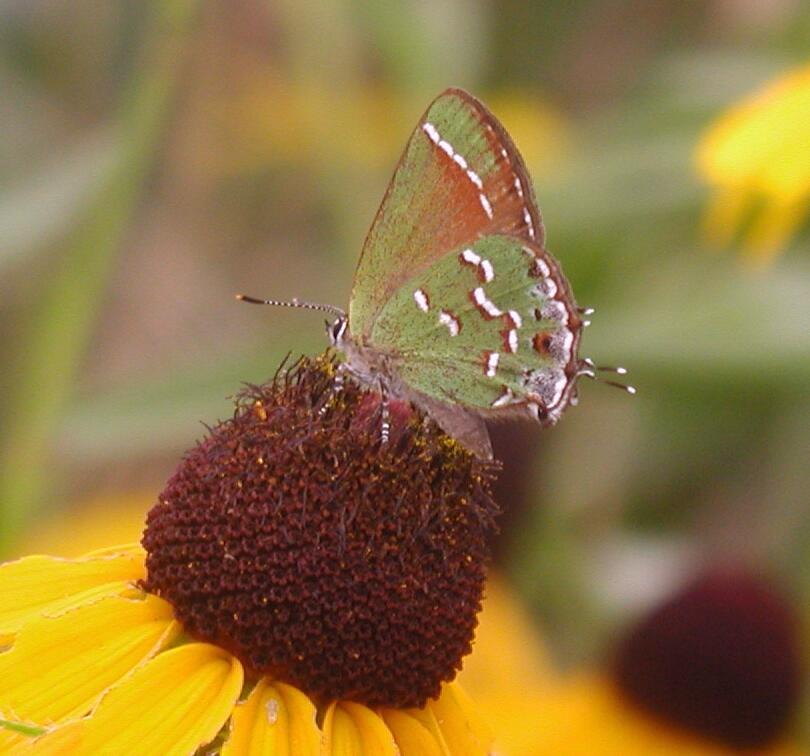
<point x="66" y="308"/>
<point x="22" y="728"/>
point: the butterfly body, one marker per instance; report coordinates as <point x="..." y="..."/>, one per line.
<point x="472" y="360"/>
<point x="456" y="305"/>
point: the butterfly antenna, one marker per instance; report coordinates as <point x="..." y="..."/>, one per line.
<point x="590" y="370"/>
<point x="294" y="302"/>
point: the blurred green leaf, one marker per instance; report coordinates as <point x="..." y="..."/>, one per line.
<point x="167" y="414"/>
<point x="697" y="318"/>
<point x="35" y="210"/>
<point x="66" y="310"/>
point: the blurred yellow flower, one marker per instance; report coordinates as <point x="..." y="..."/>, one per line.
<point x="269" y="120"/>
<point x="87" y="526"/>
<point x="712" y="671"/>
<point x="542" y="131"/>
<point x="96" y="665"/>
<point x="509" y="673"/>
<point x="508" y="653"/>
<point x="756" y="156"/>
<point x="587" y="715"/>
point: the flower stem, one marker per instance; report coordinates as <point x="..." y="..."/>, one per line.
<point x="22" y="728"/>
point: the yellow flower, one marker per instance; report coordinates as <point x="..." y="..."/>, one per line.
<point x="358" y="130"/>
<point x="509" y="673"/>
<point x="97" y="665"/>
<point x="544" y="133"/>
<point x="298" y="590"/>
<point x="587" y="715"/>
<point x="94" y="523"/>
<point x="756" y="156"/>
<point x="508" y="651"/>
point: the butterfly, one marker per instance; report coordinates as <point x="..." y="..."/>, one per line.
<point x="456" y="305"/>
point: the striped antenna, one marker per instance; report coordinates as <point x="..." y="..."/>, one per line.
<point x="294" y="302"/>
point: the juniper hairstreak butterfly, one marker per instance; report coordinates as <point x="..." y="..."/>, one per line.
<point x="456" y="304"/>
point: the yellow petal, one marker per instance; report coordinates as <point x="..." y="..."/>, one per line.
<point x="428" y="720"/>
<point x="60" y="666"/>
<point x="33" y="584"/>
<point x="16" y="733"/>
<point x="762" y="140"/>
<point x="131" y="549"/>
<point x="772" y="229"/>
<point x="174" y="704"/>
<point x="350" y="729"/>
<point x="587" y="716"/>
<point x="724" y="215"/>
<point x="516" y="718"/>
<point x="275" y="719"/>
<point x="411" y="736"/>
<point x="507" y="652"/>
<point x="461" y="725"/>
<point x="759" y="150"/>
<point x="61" y="740"/>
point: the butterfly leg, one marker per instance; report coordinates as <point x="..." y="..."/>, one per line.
<point x="385" y="415"/>
<point x="340" y="378"/>
<point x="338" y="382"/>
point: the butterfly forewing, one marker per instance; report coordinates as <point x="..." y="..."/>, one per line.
<point x="490" y="324"/>
<point x="460" y="178"/>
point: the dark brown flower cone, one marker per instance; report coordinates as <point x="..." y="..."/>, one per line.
<point x="292" y="536"/>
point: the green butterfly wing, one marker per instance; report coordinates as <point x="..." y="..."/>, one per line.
<point x="488" y="325"/>
<point x="460" y="178"/>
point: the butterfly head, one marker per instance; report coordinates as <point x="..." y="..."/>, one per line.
<point x="336" y="331"/>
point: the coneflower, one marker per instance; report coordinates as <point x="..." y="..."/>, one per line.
<point x="303" y="584"/>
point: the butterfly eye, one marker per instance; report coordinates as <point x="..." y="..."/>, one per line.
<point x="337" y="330"/>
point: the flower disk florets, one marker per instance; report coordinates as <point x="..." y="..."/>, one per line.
<point x="296" y="539"/>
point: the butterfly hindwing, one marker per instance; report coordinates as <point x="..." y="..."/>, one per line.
<point x="490" y="324"/>
<point x="460" y="178"/>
